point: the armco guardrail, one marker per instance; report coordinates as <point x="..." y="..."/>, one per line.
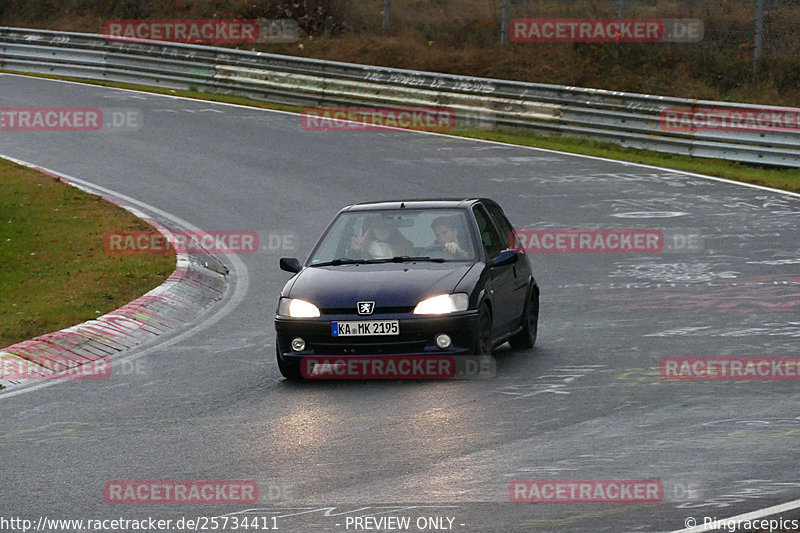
<point x="628" y="119"/>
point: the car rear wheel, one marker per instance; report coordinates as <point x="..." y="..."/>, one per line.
<point x="288" y="367"/>
<point x="483" y="344"/>
<point x="527" y="337"/>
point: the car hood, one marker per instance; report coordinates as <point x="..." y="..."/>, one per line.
<point x="386" y="284"/>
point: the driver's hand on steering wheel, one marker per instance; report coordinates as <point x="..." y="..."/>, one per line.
<point x="453" y="248"/>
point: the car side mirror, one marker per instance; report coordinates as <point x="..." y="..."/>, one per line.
<point x="506" y="257"/>
<point x="290" y="264"/>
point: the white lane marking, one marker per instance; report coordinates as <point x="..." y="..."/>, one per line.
<point x="754" y="515"/>
<point x="650" y="214"/>
<point x="240" y="280"/>
<point x="498" y="143"/>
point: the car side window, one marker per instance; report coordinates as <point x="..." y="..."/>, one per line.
<point x="507" y="232"/>
<point x="490" y="238"/>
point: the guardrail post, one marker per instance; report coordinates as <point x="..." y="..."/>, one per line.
<point x="758" y="37"/>
<point x="505" y="21"/>
<point x="387" y="8"/>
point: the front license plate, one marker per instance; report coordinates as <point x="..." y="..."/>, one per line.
<point x="363" y="328"/>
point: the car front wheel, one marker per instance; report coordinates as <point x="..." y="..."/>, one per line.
<point x="527" y="337"/>
<point x="483" y="344"/>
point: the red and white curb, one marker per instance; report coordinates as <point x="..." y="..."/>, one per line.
<point x="191" y="288"/>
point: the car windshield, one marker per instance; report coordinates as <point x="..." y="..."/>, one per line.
<point x="396" y="235"/>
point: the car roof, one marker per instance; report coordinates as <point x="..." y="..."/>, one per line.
<point x="418" y="203"/>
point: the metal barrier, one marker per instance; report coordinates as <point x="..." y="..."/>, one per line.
<point x="634" y="120"/>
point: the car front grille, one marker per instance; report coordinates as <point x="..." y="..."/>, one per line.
<point x="325" y="311"/>
<point x="355" y="346"/>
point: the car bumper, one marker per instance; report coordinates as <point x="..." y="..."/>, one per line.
<point x="417" y="336"/>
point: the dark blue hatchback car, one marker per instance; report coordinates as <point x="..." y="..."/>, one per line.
<point x="415" y="277"/>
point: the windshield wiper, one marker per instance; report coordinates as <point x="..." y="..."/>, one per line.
<point x="395" y="259"/>
<point x="407" y="259"/>
<point x="340" y="261"/>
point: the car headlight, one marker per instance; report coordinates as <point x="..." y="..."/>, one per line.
<point x="297" y="308"/>
<point x="442" y="304"/>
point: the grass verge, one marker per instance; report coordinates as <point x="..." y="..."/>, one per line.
<point x="778" y="178"/>
<point x="54" y="269"/>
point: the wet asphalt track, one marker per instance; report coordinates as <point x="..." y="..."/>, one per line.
<point x="587" y="403"/>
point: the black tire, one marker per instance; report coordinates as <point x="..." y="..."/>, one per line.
<point x="527" y="337"/>
<point x="290" y="368"/>
<point x="483" y="344"/>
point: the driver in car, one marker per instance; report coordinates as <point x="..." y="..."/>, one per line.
<point x="447" y="238"/>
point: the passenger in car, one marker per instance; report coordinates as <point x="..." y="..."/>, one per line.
<point x="381" y="240"/>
